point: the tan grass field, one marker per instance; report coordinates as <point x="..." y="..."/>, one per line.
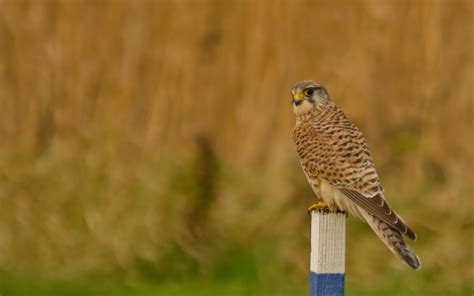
<point x="156" y="135"/>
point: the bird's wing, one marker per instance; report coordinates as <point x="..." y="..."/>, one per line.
<point x="343" y="159"/>
<point x="379" y="207"/>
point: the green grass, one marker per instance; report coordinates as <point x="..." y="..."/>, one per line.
<point x="35" y="287"/>
<point x="238" y="275"/>
<point x="196" y="287"/>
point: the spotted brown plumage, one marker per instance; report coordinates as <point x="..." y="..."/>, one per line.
<point x="337" y="163"/>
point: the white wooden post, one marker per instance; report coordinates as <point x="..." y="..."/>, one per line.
<point x="328" y="247"/>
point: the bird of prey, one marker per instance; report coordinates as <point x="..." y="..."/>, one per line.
<point x="337" y="163"/>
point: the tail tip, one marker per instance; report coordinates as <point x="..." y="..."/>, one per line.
<point x="414" y="262"/>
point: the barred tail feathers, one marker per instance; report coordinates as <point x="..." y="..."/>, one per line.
<point x="393" y="239"/>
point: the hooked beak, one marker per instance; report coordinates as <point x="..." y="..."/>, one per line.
<point x="298" y="98"/>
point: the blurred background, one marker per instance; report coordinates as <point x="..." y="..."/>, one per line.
<point x="146" y="146"/>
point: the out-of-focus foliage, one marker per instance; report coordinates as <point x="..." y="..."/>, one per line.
<point x="152" y="139"/>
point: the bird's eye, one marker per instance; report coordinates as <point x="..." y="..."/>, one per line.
<point x="309" y="92"/>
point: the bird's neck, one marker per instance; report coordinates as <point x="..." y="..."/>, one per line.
<point x="318" y="111"/>
<point x="305" y="116"/>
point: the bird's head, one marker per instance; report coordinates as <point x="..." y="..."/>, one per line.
<point x="308" y="96"/>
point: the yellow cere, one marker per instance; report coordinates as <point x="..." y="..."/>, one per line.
<point x="298" y="96"/>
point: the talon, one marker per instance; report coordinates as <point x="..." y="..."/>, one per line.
<point x="317" y="206"/>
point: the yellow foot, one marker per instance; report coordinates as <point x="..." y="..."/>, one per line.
<point x="317" y="206"/>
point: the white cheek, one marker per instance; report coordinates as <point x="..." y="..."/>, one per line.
<point x="302" y="108"/>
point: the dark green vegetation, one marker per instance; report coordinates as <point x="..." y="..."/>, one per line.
<point x="29" y="286"/>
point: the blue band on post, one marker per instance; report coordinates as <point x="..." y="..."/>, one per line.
<point x="327" y="284"/>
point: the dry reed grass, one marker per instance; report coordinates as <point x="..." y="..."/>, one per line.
<point x="131" y="130"/>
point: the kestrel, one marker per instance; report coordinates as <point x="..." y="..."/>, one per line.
<point x="337" y="163"/>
